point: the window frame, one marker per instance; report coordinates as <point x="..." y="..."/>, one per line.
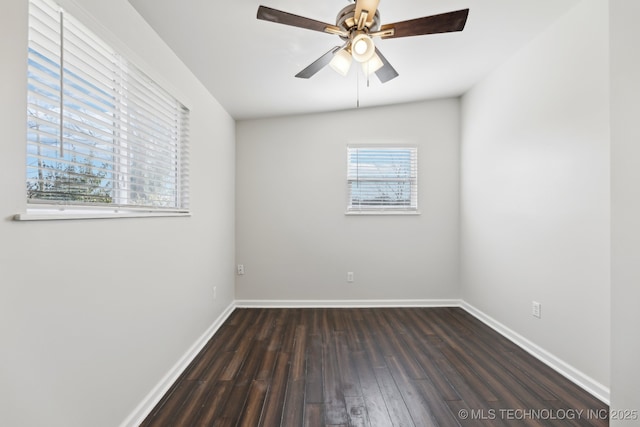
<point x="411" y="180"/>
<point x="168" y="180"/>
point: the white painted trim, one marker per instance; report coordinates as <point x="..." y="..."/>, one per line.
<point x="94" y="215"/>
<point x="151" y="400"/>
<point x="578" y="377"/>
<point x="347" y="303"/>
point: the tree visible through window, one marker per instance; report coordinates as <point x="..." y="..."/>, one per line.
<point x="100" y="132"/>
<point x="382" y="178"/>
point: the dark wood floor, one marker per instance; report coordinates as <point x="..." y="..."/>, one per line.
<point x="369" y="367"/>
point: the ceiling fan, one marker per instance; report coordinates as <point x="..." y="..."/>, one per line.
<point x="357" y="25"/>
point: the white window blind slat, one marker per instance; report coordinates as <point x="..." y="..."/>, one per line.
<point x="100" y="131"/>
<point x="136" y="85"/>
<point x="382" y="178"/>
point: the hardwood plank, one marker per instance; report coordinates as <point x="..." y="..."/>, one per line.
<point x="170" y="406"/>
<point x="467" y="388"/>
<point x="198" y="400"/>
<point x="213" y="372"/>
<point x="435" y="375"/>
<point x="234" y="406"/>
<point x="250" y="365"/>
<point x="242" y="350"/>
<point x="244" y="321"/>
<point x="218" y="394"/>
<point x="243" y="378"/>
<point x="357" y="411"/>
<point x="276" y="394"/>
<point x="352" y="335"/>
<point x="313" y="415"/>
<point x="366" y="329"/>
<point x="289" y="330"/>
<point x="254" y="405"/>
<point x="371" y="393"/>
<point x="419" y="410"/>
<point x="336" y="316"/>
<point x="209" y="353"/>
<point x="396" y="405"/>
<point x="294" y="404"/>
<point x="484" y="332"/>
<point x="273" y="348"/>
<point x="458" y="371"/>
<point x="192" y="406"/>
<point x="438" y="409"/>
<point x="394" y="345"/>
<point x="365" y="367"/>
<point x="314" y="380"/>
<point x="266" y="324"/>
<point x="509" y="391"/>
<point x="299" y="356"/>
<point x="349" y="382"/>
<point x="334" y="404"/>
<point x="561" y="387"/>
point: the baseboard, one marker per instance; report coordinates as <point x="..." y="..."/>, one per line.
<point x="347" y="303"/>
<point x="151" y="400"/>
<point x="578" y="377"/>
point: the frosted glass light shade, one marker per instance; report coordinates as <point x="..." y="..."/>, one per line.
<point x="341" y="62"/>
<point x="372" y="65"/>
<point x="362" y="48"/>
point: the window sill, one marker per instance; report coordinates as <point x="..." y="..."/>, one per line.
<point x="42" y="215"/>
<point x="388" y="212"/>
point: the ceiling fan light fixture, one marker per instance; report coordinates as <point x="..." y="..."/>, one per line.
<point x="357" y="24"/>
<point x="362" y="47"/>
<point x="341" y="62"/>
<point x="372" y="65"/>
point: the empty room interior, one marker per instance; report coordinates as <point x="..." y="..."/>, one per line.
<point x="516" y="238"/>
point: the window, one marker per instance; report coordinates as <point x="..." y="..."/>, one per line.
<point x="101" y="134"/>
<point x="382" y="179"/>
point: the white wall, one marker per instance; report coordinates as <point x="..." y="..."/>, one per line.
<point x="535" y="191"/>
<point x="94" y="313"/>
<point x="292" y="234"/>
<point x="625" y="206"/>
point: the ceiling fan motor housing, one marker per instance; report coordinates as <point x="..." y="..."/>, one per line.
<point x="346" y="20"/>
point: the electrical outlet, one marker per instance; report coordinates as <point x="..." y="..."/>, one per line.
<point x="350" y="277"/>
<point x="536" y="309"/>
<point x="215" y="292"/>
<point x="240" y="269"/>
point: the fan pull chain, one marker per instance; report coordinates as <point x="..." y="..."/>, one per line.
<point x="367" y="73"/>
<point x="357" y="89"/>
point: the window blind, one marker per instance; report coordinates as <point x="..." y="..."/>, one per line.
<point x="100" y="132"/>
<point x="382" y="178"/>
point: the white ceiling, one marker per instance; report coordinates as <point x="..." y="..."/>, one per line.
<point x="248" y="65"/>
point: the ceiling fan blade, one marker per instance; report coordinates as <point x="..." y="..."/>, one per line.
<point x="318" y="64"/>
<point x="274" y="15"/>
<point x="370" y="6"/>
<point x="443" y="23"/>
<point x="387" y="72"/>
